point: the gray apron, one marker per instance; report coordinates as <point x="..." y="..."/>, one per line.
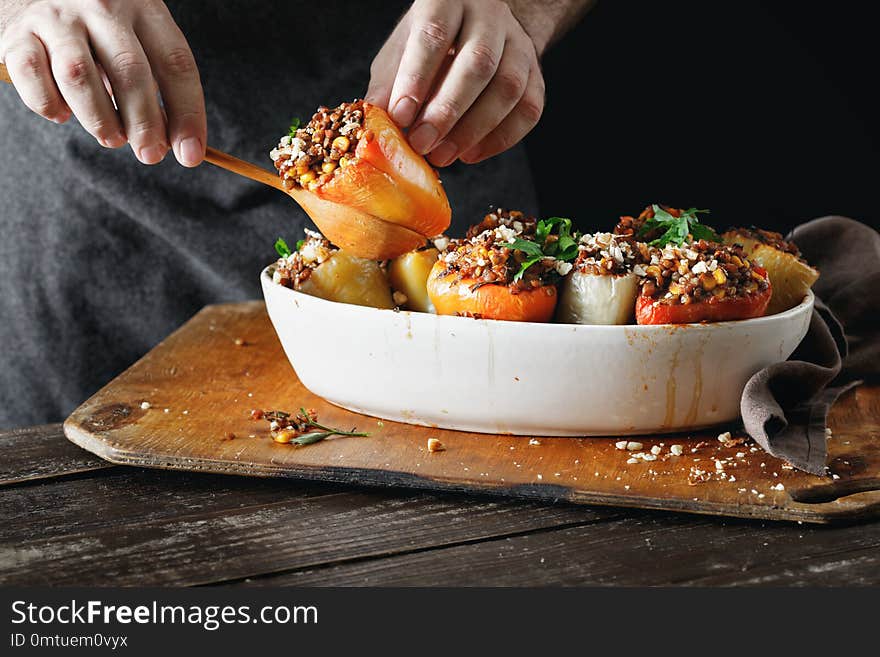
<point x="101" y="257"/>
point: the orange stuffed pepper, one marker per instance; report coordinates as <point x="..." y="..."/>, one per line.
<point x="352" y="170"/>
<point x="482" y="276"/>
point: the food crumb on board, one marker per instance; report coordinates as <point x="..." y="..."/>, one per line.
<point x="145" y="405"/>
<point x="655" y="450"/>
<point x="434" y="445"/>
<point x="724" y="437"/>
<point x="676" y="450"/>
<point x="534" y="441"/>
<point x="633" y="446"/>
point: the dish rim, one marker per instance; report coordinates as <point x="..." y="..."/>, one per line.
<point x="265" y="277"/>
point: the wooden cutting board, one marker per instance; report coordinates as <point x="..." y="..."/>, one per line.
<point x="186" y="405"/>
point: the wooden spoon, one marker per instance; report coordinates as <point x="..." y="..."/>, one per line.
<point x="215" y="157"/>
<point x="360" y="233"/>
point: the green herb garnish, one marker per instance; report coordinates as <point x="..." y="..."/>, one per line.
<point x="304" y="421"/>
<point x="294" y="126"/>
<point x="562" y="245"/>
<point x="282" y="249"/>
<point x="676" y="229"/>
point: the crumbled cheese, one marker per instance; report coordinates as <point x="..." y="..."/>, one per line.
<point x="631" y="460"/>
<point x="440" y="242"/>
<point x="620" y="444"/>
<point x="534" y="441"/>
<point x="676" y="450"/>
<point x="740" y="455"/>
<point x="724" y="437"/>
<point x="632" y="446"/>
<point x="655" y="449"/>
<point x="778" y="486"/>
<point x="562" y="268"/>
<point x="145" y="405"/>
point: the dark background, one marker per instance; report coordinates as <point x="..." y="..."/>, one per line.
<point x="764" y="112"/>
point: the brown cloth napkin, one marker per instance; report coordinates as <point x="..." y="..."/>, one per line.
<point x="784" y="407"/>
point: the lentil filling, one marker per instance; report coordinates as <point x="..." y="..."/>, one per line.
<point x="486" y="257"/>
<point x="767" y="237"/>
<point x="310" y="155"/>
<point x="606" y="254"/>
<point x="295" y="269"/>
<point x="630" y="226"/>
<point x="700" y="272"/>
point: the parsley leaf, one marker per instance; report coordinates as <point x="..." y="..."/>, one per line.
<point x="563" y="245"/>
<point x="299" y="244"/>
<point x="294" y="126"/>
<point x="282" y="249"/>
<point x="676" y="229"/>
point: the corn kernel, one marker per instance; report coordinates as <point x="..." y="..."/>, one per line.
<point x="306" y="178"/>
<point x="707" y="281"/>
<point x="328" y="167"/>
<point x="720" y="276"/>
<point x="344" y="162"/>
<point x="341" y="143"/>
<point x="284" y="437"/>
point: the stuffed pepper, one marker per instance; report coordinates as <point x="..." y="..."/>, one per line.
<point x="701" y="282"/>
<point x="506" y="268"/>
<point x="791" y="275"/>
<point x="409" y="273"/>
<point x="603" y="286"/>
<point x="354" y="173"/>
<point x="318" y="268"/>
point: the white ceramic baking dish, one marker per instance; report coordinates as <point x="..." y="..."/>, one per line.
<point x="523" y="378"/>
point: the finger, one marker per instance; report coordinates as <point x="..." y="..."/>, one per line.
<point x="516" y="125"/>
<point x="384" y="68"/>
<point x="79" y="81"/>
<point x="176" y="72"/>
<point x="496" y="102"/>
<point x="475" y="64"/>
<point x="433" y="30"/>
<point x="128" y="70"/>
<point x="31" y="74"/>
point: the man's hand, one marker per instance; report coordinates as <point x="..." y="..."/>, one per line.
<point x="66" y="57"/>
<point x="464" y="75"/>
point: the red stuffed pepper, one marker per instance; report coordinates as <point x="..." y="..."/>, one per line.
<point x="701" y="282"/>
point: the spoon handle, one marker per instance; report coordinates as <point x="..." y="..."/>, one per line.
<point x="215" y="157"/>
<point x="242" y="168"/>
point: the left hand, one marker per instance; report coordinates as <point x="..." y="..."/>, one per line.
<point x="463" y="75"/>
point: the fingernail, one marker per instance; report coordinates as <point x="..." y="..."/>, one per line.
<point x="404" y="111"/>
<point x="423" y="137"/>
<point x="115" y="141"/>
<point x="152" y="154"/>
<point x="189" y="152"/>
<point x="444" y="154"/>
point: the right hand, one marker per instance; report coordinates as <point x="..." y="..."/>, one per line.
<point x="66" y="57"/>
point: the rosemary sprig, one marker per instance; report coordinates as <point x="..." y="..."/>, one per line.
<point x="304" y="421"/>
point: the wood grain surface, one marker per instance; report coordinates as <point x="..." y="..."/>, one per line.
<point x="136" y="526"/>
<point x="227" y="361"/>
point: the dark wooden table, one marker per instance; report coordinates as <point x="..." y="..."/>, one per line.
<point x="66" y="517"/>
